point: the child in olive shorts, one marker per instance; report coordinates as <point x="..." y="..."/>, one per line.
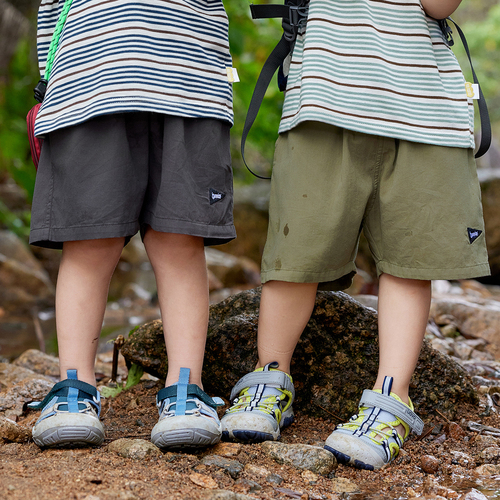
<point x="136" y="122"/>
<point x="375" y="135"/>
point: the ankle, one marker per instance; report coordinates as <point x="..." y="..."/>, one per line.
<point x="401" y="392"/>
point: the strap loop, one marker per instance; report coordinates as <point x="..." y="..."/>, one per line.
<point x="278" y="378"/>
<point x="392" y="405"/>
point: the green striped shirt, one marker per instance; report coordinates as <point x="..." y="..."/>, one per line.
<point x="379" y="67"/>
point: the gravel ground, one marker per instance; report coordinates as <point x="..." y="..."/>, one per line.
<point x="99" y="473"/>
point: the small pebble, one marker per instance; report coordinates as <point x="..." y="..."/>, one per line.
<point x="455" y="431"/>
<point x="440" y="439"/>
<point x="274" y="479"/>
<point x="487" y="470"/>
<point x="474" y="494"/>
<point x="203" y="481"/>
<point x="491" y="455"/>
<point x="226" y="449"/>
<point x="429" y="464"/>
<point x="309" y="477"/>
<point x="256" y="470"/>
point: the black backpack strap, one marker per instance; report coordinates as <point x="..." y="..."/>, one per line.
<point x="293" y="16"/>
<point x="273" y="62"/>
<point x="483" y="109"/>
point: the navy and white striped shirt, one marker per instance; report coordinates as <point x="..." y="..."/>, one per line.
<point x="165" y="56"/>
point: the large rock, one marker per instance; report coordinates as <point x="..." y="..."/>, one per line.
<point x="24" y="284"/>
<point x="474" y="317"/>
<point x="335" y="359"/>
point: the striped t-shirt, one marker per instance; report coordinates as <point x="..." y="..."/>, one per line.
<point x="380" y="67"/>
<point x="165" y="56"/>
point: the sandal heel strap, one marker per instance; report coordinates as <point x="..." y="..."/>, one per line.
<point x="278" y="378"/>
<point x="61" y="389"/>
<point x="388" y="403"/>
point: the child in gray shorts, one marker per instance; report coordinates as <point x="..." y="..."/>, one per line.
<point x="376" y="134"/>
<point x="136" y="122"/>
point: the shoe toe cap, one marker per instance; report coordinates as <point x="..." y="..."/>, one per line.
<point x="354" y="449"/>
<point x="250" y="421"/>
<point x="181" y="422"/>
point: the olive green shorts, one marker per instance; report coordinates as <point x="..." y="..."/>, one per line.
<point x="419" y="206"/>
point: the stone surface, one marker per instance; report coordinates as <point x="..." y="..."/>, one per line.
<point x="232" y="467"/>
<point x="223" y="494"/>
<point x="22" y="288"/>
<point x="247" y="486"/>
<point x="429" y="464"/>
<point x="309" y="477"/>
<point x="474" y="494"/>
<point x="11" y="375"/>
<point x="343" y="485"/>
<point x="204" y="481"/>
<point x="462" y="459"/>
<point x="256" y="470"/>
<point x="39" y="362"/>
<point x="302" y="456"/>
<point x="487" y="470"/>
<point x="455" y="431"/>
<point x="475" y="317"/>
<point x="12" y="247"/>
<point x="13" y="432"/>
<point x="335" y="359"/>
<point x="226" y="449"/>
<point x="491" y="455"/>
<point x="231" y="270"/>
<point x="137" y="449"/>
<point x="483" y="441"/>
<point x="274" y="479"/>
<point x="20" y="386"/>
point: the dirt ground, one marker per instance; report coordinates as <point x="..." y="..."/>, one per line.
<point x="98" y="473"/>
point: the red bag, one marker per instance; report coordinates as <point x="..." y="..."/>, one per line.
<point x="35" y="142"/>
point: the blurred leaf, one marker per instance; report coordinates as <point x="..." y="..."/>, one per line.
<point x="134" y="375"/>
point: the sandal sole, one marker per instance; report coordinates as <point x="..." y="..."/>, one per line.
<point x="185" y="438"/>
<point x="69" y="437"/>
<point x="344" y="459"/>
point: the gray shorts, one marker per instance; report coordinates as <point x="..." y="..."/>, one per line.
<point x="117" y="174"/>
<point x="419" y="207"/>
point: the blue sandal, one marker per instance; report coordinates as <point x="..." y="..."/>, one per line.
<point x="188" y="416"/>
<point x="70" y="415"/>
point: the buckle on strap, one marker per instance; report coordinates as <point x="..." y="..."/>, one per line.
<point x="388" y="403"/>
<point x="278" y="378"/>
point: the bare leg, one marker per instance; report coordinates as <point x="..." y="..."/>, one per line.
<point x="81" y="295"/>
<point x="179" y="264"/>
<point x="402" y="317"/>
<point x="285" y="309"/>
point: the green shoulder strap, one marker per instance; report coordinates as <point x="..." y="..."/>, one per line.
<point x="54" y="43"/>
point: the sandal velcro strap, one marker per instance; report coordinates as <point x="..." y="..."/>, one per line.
<point x="392" y="405"/>
<point x="192" y="390"/>
<point x="278" y="378"/>
<point x="61" y="389"/>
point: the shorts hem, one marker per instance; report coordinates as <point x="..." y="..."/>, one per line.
<point x="212" y="234"/>
<point x="458" y="273"/>
<point x="55" y="237"/>
<point x="295" y="276"/>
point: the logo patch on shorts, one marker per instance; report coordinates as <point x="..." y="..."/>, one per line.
<point x="473" y="234"/>
<point x="215" y="196"/>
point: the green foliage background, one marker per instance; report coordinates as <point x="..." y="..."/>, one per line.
<point x="251" y="42"/>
